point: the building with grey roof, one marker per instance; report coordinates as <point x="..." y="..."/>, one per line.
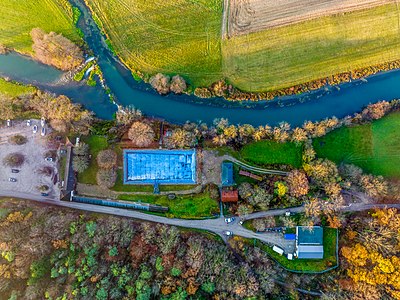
<point x="309" y="242"/>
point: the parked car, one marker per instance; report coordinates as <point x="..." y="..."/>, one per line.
<point x="35" y="128"/>
<point x="287" y="213"/>
<point x="43" y="131"/>
<point x="14" y="171"/>
<point x="241" y="222"/>
<point x="42" y="122"/>
<point x="228" y="233"/>
<point x="8" y="123"/>
<point x="44" y="194"/>
<point x="77" y="141"/>
<point x="12" y="179"/>
<point x="229" y="220"/>
<point x="50" y="159"/>
<point x="28" y="123"/>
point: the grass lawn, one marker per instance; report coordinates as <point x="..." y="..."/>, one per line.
<point x="96" y="144"/>
<point x="309" y="265"/>
<point x="374" y="147"/>
<point x="169" y="36"/>
<point x="270" y="152"/>
<point x="13" y="89"/>
<point x="185" y="207"/>
<point x="18" y="18"/>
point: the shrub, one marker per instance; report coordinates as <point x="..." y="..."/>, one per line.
<point x="43" y="188"/>
<point x="14" y="160"/>
<point x="18" y="139"/>
<point x="107" y="159"/>
<point x="178" y="84"/>
<point x="297" y="183"/>
<point x="106" y="177"/>
<point x="83" y="149"/>
<point x="141" y="134"/>
<point x="160" y="83"/>
<point x="80" y="163"/>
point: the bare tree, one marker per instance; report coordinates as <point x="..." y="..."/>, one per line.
<point x="141" y="134"/>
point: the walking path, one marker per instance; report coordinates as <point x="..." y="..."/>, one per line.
<point x="254" y="169"/>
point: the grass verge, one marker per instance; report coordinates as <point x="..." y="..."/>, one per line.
<point x="13" y="89"/>
<point x="184" y="207"/>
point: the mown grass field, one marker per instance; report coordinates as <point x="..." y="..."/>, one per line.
<point x="12" y="89"/>
<point x="169" y="36"/>
<point x="178" y="36"/>
<point x="374" y="147"/>
<point x="18" y="18"/>
<point x="285" y="56"/>
<point x="270" y="152"/>
<point x="186" y="207"/>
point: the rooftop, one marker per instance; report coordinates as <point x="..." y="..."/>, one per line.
<point x="229" y="195"/>
<point x="310" y="235"/>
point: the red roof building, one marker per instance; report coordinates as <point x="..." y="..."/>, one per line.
<point x="229" y="195"/>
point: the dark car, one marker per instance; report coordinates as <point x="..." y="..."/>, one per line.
<point x="44" y="194"/>
<point x="11" y="179"/>
<point x="14" y="171"/>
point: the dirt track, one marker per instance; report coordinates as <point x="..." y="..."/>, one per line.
<point x="246" y="16"/>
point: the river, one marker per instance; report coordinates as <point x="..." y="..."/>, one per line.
<point x="329" y="101"/>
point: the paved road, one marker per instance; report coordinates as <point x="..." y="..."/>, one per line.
<point x="217" y="226"/>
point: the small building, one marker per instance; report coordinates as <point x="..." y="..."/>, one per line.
<point x="309" y="242"/>
<point x="228" y="195"/>
<point x="227" y="174"/>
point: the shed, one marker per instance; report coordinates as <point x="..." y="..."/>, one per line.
<point x="227" y="174"/>
<point x="309" y="242"/>
<point x="277" y="250"/>
<point x="290" y="236"/>
<point x="229" y="195"/>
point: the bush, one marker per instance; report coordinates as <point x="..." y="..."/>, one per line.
<point x="141" y="134"/>
<point x="107" y="159"/>
<point x="80" y="163"/>
<point x="14" y="160"/>
<point x="160" y="83"/>
<point x="106" y="177"/>
<point x="18" y="139"/>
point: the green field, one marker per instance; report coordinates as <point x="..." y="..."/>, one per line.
<point x="169" y="36"/>
<point x="270" y="152"/>
<point x="185" y="207"/>
<point x="374" y="147"/>
<point x="19" y="17"/>
<point x="13" y="89"/>
<point x="184" y="37"/>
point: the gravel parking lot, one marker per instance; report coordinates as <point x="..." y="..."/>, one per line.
<point x="29" y="176"/>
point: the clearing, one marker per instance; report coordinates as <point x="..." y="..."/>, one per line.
<point x="18" y="18"/>
<point x="374" y="147"/>
<point x="246" y="16"/>
<point x="271" y="152"/>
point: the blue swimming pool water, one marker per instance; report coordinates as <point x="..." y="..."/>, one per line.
<point x="159" y="166"/>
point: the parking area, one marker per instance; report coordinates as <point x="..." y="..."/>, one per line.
<point x="36" y="171"/>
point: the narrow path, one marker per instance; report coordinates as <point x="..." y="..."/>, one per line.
<point x="253" y="168"/>
<point x="217" y="226"/>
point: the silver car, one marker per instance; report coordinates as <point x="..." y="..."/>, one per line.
<point x="35" y="128"/>
<point x="43" y="131"/>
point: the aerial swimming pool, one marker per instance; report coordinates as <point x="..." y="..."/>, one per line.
<point x="159" y="166"/>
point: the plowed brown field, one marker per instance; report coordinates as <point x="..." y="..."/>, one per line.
<point x="246" y="16"/>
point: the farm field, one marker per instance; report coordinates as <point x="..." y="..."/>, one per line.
<point x="374" y="147"/>
<point x="18" y="18"/>
<point x="170" y="36"/>
<point x="285" y="56"/>
<point x="181" y="37"/>
<point x="270" y="152"/>
<point x="246" y="16"/>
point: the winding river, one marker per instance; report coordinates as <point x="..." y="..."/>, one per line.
<point x="329" y="101"/>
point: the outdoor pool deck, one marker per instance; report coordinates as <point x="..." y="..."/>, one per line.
<point x="159" y="166"/>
